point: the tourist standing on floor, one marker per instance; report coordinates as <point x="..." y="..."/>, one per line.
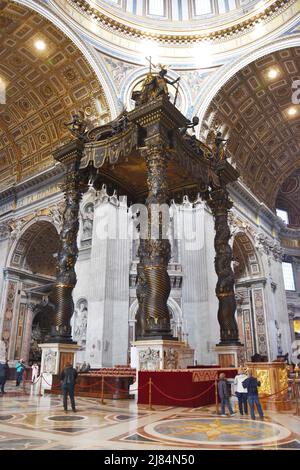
<point x="35" y="372"/>
<point x="4" y="371"/>
<point x="223" y="389"/>
<point x="241" y="392"/>
<point x="68" y="380"/>
<point x="251" y="384"/>
<point x="20" y="368"/>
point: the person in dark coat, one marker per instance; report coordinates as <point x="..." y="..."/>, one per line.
<point x="251" y="384"/>
<point x="223" y="389"/>
<point x="68" y="379"/>
<point x="4" y="371"/>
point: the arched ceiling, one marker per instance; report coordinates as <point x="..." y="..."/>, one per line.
<point x="288" y="197"/>
<point x="43" y="89"/>
<point x="35" y="249"/>
<point x="254" y="108"/>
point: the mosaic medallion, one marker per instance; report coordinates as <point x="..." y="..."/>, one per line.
<point x="65" y="418"/>
<point x="228" y="431"/>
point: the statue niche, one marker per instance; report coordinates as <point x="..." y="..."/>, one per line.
<point x="80" y="322"/>
<point x="87" y="222"/>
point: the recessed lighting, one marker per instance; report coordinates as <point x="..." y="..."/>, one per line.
<point x="40" y="45"/>
<point x="292" y="111"/>
<point x="273" y="73"/>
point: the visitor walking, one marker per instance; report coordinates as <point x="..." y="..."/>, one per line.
<point x="68" y="380"/>
<point x="223" y="389"/>
<point x="251" y="384"/>
<point x="35" y="372"/>
<point x="241" y="392"/>
<point x="20" y="368"/>
<point x="4" y="371"/>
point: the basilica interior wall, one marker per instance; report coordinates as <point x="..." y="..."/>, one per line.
<point x="104" y="297"/>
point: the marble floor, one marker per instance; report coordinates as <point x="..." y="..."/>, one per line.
<point x="29" y="421"/>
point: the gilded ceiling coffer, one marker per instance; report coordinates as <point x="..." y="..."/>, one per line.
<point x="69" y="155"/>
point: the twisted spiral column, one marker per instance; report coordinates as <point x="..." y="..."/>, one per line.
<point x="220" y="204"/>
<point x="154" y="283"/>
<point x="61" y="296"/>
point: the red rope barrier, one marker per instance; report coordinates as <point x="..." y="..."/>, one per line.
<point x="183" y="399"/>
<point x="124" y="390"/>
<point x="273" y="394"/>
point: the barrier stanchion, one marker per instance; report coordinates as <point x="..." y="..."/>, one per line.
<point x="150" y="394"/>
<point x="24" y="381"/>
<point x="296" y="393"/>
<point x="102" y="391"/>
<point x="40" y="385"/>
<point x="216" y="396"/>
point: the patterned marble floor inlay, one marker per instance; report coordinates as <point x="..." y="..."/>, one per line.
<point x="217" y="430"/>
<point x="32" y="422"/>
<point x="65" y="418"/>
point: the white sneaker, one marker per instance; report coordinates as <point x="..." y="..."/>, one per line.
<point x="233" y="414"/>
<point x="224" y="416"/>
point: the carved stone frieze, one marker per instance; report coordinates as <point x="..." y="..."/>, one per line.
<point x="269" y="246"/>
<point x="149" y="359"/>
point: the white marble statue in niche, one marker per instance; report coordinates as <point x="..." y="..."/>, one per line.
<point x="50" y="361"/>
<point x="80" y="322"/>
<point x="87" y="221"/>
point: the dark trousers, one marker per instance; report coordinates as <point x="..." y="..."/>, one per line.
<point x="68" y="389"/>
<point x="226" y="401"/>
<point x="254" y="399"/>
<point x="243" y="405"/>
<point x="2" y="383"/>
<point x="19" y="378"/>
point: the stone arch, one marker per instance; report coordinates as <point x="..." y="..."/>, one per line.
<point x="175" y="314"/>
<point x="35" y="239"/>
<point x="245" y="254"/>
<point x="31" y="270"/>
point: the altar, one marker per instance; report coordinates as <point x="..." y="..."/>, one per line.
<point x="273" y="377"/>
<point x="180" y="387"/>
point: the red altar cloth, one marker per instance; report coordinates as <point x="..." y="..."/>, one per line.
<point x="181" y="386"/>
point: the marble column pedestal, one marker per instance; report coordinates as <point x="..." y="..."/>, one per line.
<point x="54" y="358"/>
<point x="230" y="355"/>
<point x="161" y="354"/>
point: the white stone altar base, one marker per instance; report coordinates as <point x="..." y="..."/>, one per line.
<point x="230" y="355"/>
<point x="2" y="351"/>
<point x="54" y="358"/>
<point x="161" y="354"/>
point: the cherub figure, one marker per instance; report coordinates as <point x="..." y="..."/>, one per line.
<point x="78" y="124"/>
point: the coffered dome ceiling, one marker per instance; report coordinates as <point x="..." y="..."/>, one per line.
<point x="256" y="111"/>
<point x="288" y="197"/>
<point x="44" y="79"/>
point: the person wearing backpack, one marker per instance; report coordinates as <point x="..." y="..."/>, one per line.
<point x="20" y="368"/>
<point x="68" y="380"/>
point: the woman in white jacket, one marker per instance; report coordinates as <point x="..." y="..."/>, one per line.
<point x="241" y="392"/>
